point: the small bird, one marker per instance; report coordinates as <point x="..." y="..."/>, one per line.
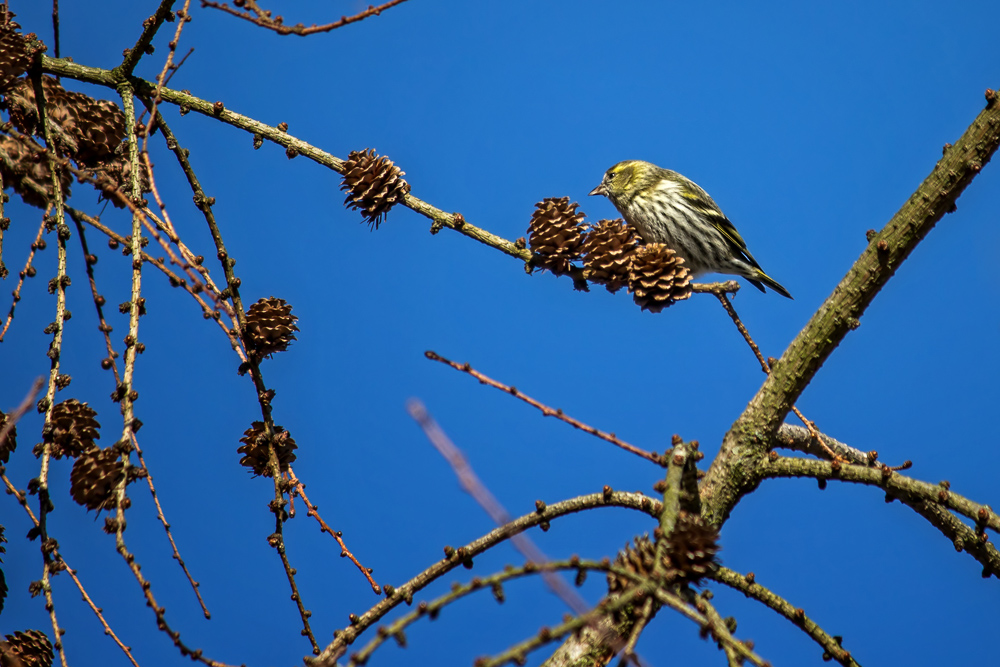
<point x="664" y="207"/>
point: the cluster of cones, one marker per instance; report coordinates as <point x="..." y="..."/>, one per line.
<point x="97" y="473"/>
<point x="84" y="129"/>
<point x="611" y="254"/>
<point x="270" y="328"/>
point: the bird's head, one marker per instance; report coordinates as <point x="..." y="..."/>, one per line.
<point x="622" y="181"/>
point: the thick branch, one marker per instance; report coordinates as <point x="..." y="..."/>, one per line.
<point x="733" y="472"/>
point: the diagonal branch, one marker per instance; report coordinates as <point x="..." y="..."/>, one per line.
<point x="751" y="589"/>
<point x="217" y="110"/>
<point x="732" y="474"/>
<point x="546" y="410"/>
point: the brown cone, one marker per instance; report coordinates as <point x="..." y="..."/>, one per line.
<point x="10" y="444"/>
<point x="85" y="129"/>
<point x="657" y="278"/>
<point x="29" y="176"/>
<point x="640" y="559"/>
<point x="270" y="324"/>
<point x="72" y="429"/>
<point x="692" y="547"/>
<point x="256" y="455"/>
<point x="373" y="184"/>
<point x="607" y="253"/>
<point x="555" y="234"/>
<point x="30" y="648"/>
<point x="94" y="478"/>
<point x="14" y="56"/>
<point x="115" y="173"/>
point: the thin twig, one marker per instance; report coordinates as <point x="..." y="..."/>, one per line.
<point x="472" y="485"/>
<point x="458" y="557"/>
<point x="26" y="272"/>
<point x="58" y="558"/>
<point x="702" y="603"/>
<point x="628" y="652"/>
<point x="748" y="586"/>
<point x="263" y="18"/>
<point x="195" y="586"/>
<point x="799" y="439"/>
<point x="14" y="415"/>
<point x="175" y="280"/>
<point x="885" y="478"/>
<point x="55" y="28"/>
<point x="313" y="511"/>
<point x="150" y="27"/>
<point x="766" y="367"/>
<point x="546" y="410"/>
<point x="55" y="352"/>
<point x="495" y="584"/>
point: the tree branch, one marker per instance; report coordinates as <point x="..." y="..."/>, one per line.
<point x="732" y="473"/>
<point x="751" y="589"/>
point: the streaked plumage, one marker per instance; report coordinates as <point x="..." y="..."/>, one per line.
<point x="665" y="207"/>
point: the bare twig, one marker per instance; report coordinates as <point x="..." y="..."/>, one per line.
<point x="55" y="352"/>
<point x="462" y="555"/>
<point x="262" y="17"/>
<point x="766" y="367"/>
<point x="546" y="410"/>
<point x="26" y="272"/>
<point x="472" y="485"/>
<point x="299" y="489"/>
<point x="492" y="583"/>
<point x="150" y="27"/>
<point x="58" y="557"/>
<point x="895" y="485"/>
<point x="14" y="415"/>
<point x="195" y="586"/>
<point x="748" y="586"/>
<point x="798" y="438"/>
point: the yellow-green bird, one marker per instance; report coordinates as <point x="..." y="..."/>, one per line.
<point x="664" y="207"/>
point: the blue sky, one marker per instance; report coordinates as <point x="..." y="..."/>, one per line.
<point x="808" y="124"/>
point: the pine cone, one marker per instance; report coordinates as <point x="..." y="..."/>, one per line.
<point x="85" y="129"/>
<point x="94" y="478"/>
<point x="657" y="278"/>
<point x="30" y="648"/>
<point x="10" y="444"/>
<point x="555" y="234"/>
<point x="640" y="559"/>
<point x="270" y="324"/>
<point x="607" y="253"/>
<point x="115" y="173"/>
<point x="692" y="547"/>
<point x="72" y="429"/>
<point x="256" y="455"/>
<point x="373" y="184"/>
<point x="22" y="168"/>
<point x="14" y="56"/>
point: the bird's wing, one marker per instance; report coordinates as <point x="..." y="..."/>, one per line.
<point x="700" y="199"/>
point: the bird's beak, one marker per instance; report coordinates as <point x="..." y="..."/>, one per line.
<point x="599" y="190"/>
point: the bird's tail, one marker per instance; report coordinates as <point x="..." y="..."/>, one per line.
<point x="759" y="279"/>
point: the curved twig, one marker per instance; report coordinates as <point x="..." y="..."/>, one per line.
<point x="747" y="586"/>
